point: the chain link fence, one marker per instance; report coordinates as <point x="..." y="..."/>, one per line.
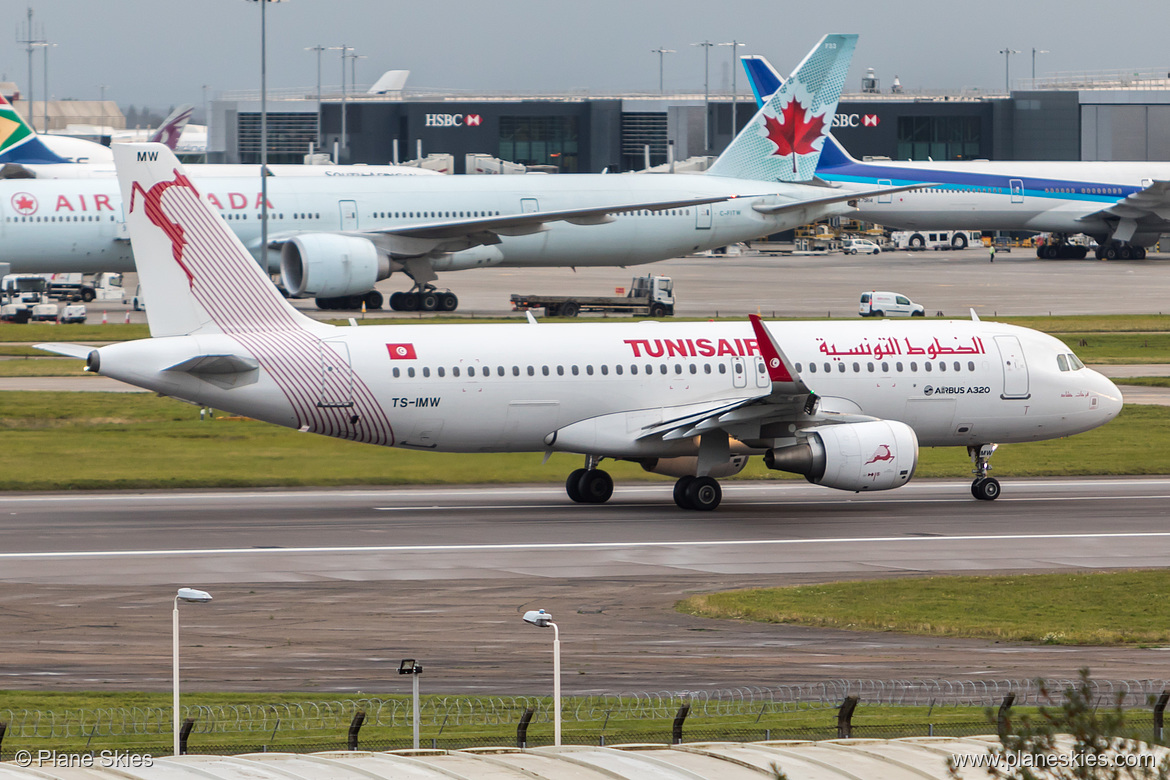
<point x="749" y="713"/>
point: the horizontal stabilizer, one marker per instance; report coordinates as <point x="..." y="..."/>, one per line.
<point x="216" y="364"/>
<point x="80" y="351"/>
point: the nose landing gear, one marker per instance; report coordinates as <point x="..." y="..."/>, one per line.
<point x="984" y="488"/>
<point x="589" y="485"/>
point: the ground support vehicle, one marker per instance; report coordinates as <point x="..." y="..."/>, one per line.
<point x="648" y="296"/>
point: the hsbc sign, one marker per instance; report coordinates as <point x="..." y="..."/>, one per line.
<point x="856" y="120"/>
<point x="453" y="120"/>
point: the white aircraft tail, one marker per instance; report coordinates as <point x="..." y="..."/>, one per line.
<point x="194" y="271"/>
<point x="783" y="141"/>
<point x="172" y="127"/>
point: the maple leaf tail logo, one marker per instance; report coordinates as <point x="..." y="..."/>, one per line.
<point x="794" y="131"/>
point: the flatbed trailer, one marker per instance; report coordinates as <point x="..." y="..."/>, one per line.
<point x="649" y="296"/>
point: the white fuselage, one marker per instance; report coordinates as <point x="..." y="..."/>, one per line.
<point x="77" y="225"/>
<point x="1054" y="197"/>
<point x="593" y="388"/>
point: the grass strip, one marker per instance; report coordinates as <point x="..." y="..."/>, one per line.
<point x="1097" y="608"/>
<point x="61" y="441"/>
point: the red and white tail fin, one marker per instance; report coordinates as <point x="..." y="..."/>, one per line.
<point x="195" y="273"/>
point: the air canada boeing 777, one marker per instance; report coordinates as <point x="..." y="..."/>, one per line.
<point x="333" y="238"/>
<point x="846" y="404"/>
<point x="1124" y="206"/>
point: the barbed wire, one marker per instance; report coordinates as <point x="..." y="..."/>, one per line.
<point x="494" y="711"/>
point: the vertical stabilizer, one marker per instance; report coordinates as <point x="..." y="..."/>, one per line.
<point x="195" y="273"/>
<point x="172" y="128"/>
<point x="783" y="141"/>
<point x="18" y="142"/>
<point x="764" y="81"/>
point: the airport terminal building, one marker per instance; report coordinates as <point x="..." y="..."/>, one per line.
<point x="1104" y="116"/>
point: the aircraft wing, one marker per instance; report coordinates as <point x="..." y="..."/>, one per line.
<point x="532" y="222"/>
<point x="841" y="197"/>
<point x="456" y="234"/>
<point x="1150" y="204"/>
<point x="789" y="400"/>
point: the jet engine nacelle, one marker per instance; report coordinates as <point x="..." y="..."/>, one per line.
<point x="327" y="265"/>
<point x="687" y="466"/>
<point x="877" y="455"/>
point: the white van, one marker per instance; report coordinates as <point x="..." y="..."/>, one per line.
<point x="889" y="304"/>
<point x="853" y="246"/>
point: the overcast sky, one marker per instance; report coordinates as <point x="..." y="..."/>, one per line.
<point x="161" y="52"/>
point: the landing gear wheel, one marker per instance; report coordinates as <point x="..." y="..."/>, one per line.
<point x="680" y="492"/>
<point x="1139" y="253"/>
<point x="1111" y="253"/>
<point x="596" y="486"/>
<point x="428" y="301"/>
<point x="353" y="302"/>
<point x="573" y="485"/>
<point x="1050" y="252"/>
<point x="985" y="488"/>
<point x="373" y="300"/>
<point x="448" y="302"/>
<point x="1125" y="253"/>
<point x="704" y="494"/>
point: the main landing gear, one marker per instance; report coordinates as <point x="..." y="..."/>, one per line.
<point x="701" y="493"/>
<point x="1118" y="250"/>
<point x="426" y="298"/>
<point x="984" y="488"/>
<point x="373" y="301"/>
<point x="591" y="485"/>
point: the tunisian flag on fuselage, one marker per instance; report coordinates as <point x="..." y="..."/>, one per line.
<point x="401" y="351"/>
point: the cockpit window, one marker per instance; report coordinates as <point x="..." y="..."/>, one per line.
<point x="1062" y="361"/>
<point x="1075" y="362"/>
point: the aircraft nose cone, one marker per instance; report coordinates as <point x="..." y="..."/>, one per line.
<point x="1110" y="399"/>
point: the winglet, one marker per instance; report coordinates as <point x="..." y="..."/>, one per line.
<point x="780" y="369"/>
<point x="974" y="316"/>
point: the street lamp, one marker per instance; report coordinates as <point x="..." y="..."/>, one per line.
<point x="343" y="49"/>
<point x="1007" y="59"/>
<point x="706" y="94"/>
<point x="414" y="669"/>
<point x="264" y="133"/>
<point x="542" y="619"/>
<point x="661" y="52"/>
<point x="1036" y="51"/>
<point x="195" y="597"/>
<point x="318" y="48"/>
<point x="734" y="70"/>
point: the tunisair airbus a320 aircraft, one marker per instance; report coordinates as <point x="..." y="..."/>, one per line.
<point x="845" y="404"/>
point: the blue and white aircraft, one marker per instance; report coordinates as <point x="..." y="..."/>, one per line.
<point x="1124" y="206"/>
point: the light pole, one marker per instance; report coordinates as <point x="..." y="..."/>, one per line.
<point x="542" y="619"/>
<point x="31" y="43"/>
<point x="734" y="70"/>
<point x="318" y="48"/>
<point x="343" y="49"/>
<point x="1007" y="59"/>
<point x="264" y="133"/>
<point x="661" y="52"/>
<point x="195" y="597"/>
<point x="414" y="669"/>
<point x="45" y="46"/>
<point x="706" y="94"/>
<point x="1036" y="51"/>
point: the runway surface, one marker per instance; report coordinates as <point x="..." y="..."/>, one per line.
<point x="326" y="589"/>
